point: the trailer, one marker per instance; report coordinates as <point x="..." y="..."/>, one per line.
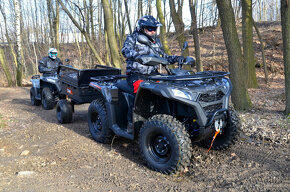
<point x="75" y="86"/>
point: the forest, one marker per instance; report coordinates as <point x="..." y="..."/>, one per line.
<point x="91" y="32"/>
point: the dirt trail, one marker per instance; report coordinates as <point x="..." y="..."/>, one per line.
<point x="66" y="158"/>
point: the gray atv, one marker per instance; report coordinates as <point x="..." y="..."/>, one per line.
<point x="171" y="113"/>
<point x="46" y="90"/>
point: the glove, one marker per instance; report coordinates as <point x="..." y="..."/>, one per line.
<point x="180" y="59"/>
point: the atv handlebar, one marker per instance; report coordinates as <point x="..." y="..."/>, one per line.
<point x="151" y="60"/>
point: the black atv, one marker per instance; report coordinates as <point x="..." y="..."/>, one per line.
<point x="171" y="113"/>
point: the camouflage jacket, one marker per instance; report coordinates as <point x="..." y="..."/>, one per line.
<point x="48" y="65"/>
<point x="132" y="48"/>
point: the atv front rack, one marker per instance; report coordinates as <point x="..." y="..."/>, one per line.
<point x="197" y="76"/>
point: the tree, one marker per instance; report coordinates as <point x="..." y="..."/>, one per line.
<point x="127" y="14"/>
<point x="240" y="97"/>
<point x="5" y="68"/>
<point x="178" y="24"/>
<point x="263" y="51"/>
<point x="140" y="9"/>
<point x="195" y="34"/>
<point x="7" y="36"/>
<point x="18" y="43"/>
<point x="56" y="26"/>
<point x="248" y="49"/>
<point x="285" y="22"/>
<point x="162" y="28"/>
<point x="115" y="54"/>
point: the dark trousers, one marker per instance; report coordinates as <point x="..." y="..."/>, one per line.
<point x="131" y="79"/>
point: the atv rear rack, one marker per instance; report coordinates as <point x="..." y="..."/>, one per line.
<point x="108" y="78"/>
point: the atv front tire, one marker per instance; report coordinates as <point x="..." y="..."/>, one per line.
<point x="165" y="144"/>
<point x="228" y="136"/>
<point x="98" y="122"/>
<point x="64" y="111"/>
<point x="33" y="100"/>
<point x="47" y="99"/>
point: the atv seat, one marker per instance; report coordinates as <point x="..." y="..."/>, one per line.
<point x="124" y="86"/>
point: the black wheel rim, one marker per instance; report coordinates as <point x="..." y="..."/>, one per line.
<point x="159" y="147"/>
<point x="96" y="122"/>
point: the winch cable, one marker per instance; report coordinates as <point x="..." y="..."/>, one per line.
<point x="216" y="132"/>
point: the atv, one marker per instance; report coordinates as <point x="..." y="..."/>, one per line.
<point x="46" y="90"/>
<point x="171" y="112"/>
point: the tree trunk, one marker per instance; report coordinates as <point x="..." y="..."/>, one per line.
<point x="18" y="43"/>
<point x="93" y="36"/>
<point x="100" y="13"/>
<point x="240" y="97"/>
<point x="285" y="22"/>
<point x="8" y="38"/>
<point x="150" y="7"/>
<point x="195" y="34"/>
<point x="108" y="62"/>
<point x="179" y="25"/>
<point x="248" y="49"/>
<point x="5" y="68"/>
<point x="263" y="52"/>
<point x="127" y="14"/>
<point x="140" y="9"/>
<point x="56" y="27"/>
<point x="85" y="33"/>
<point x="50" y="20"/>
<point x="163" y="28"/>
<point x="115" y="54"/>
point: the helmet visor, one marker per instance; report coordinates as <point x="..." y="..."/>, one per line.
<point x="151" y="28"/>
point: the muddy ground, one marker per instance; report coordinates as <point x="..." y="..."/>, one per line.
<point x="39" y="154"/>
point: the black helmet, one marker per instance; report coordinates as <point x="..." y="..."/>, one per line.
<point x="147" y="21"/>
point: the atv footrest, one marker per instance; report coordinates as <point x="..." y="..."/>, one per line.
<point x="122" y="133"/>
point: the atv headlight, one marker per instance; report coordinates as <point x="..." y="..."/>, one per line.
<point x="183" y="94"/>
<point x="226" y="85"/>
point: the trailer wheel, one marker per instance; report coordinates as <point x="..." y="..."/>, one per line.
<point x="33" y="100"/>
<point x="64" y="111"/>
<point x="98" y="122"/>
<point x="165" y="145"/>
<point x="47" y="99"/>
<point x="228" y="135"/>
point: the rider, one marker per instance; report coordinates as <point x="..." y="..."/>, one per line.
<point x="146" y="25"/>
<point x="48" y="65"/>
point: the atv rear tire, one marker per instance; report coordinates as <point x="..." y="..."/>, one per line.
<point x="33" y="100"/>
<point x="98" y="122"/>
<point x="165" y="144"/>
<point x="47" y="99"/>
<point x="64" y="111"/>
<point x="228" y="135"/>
